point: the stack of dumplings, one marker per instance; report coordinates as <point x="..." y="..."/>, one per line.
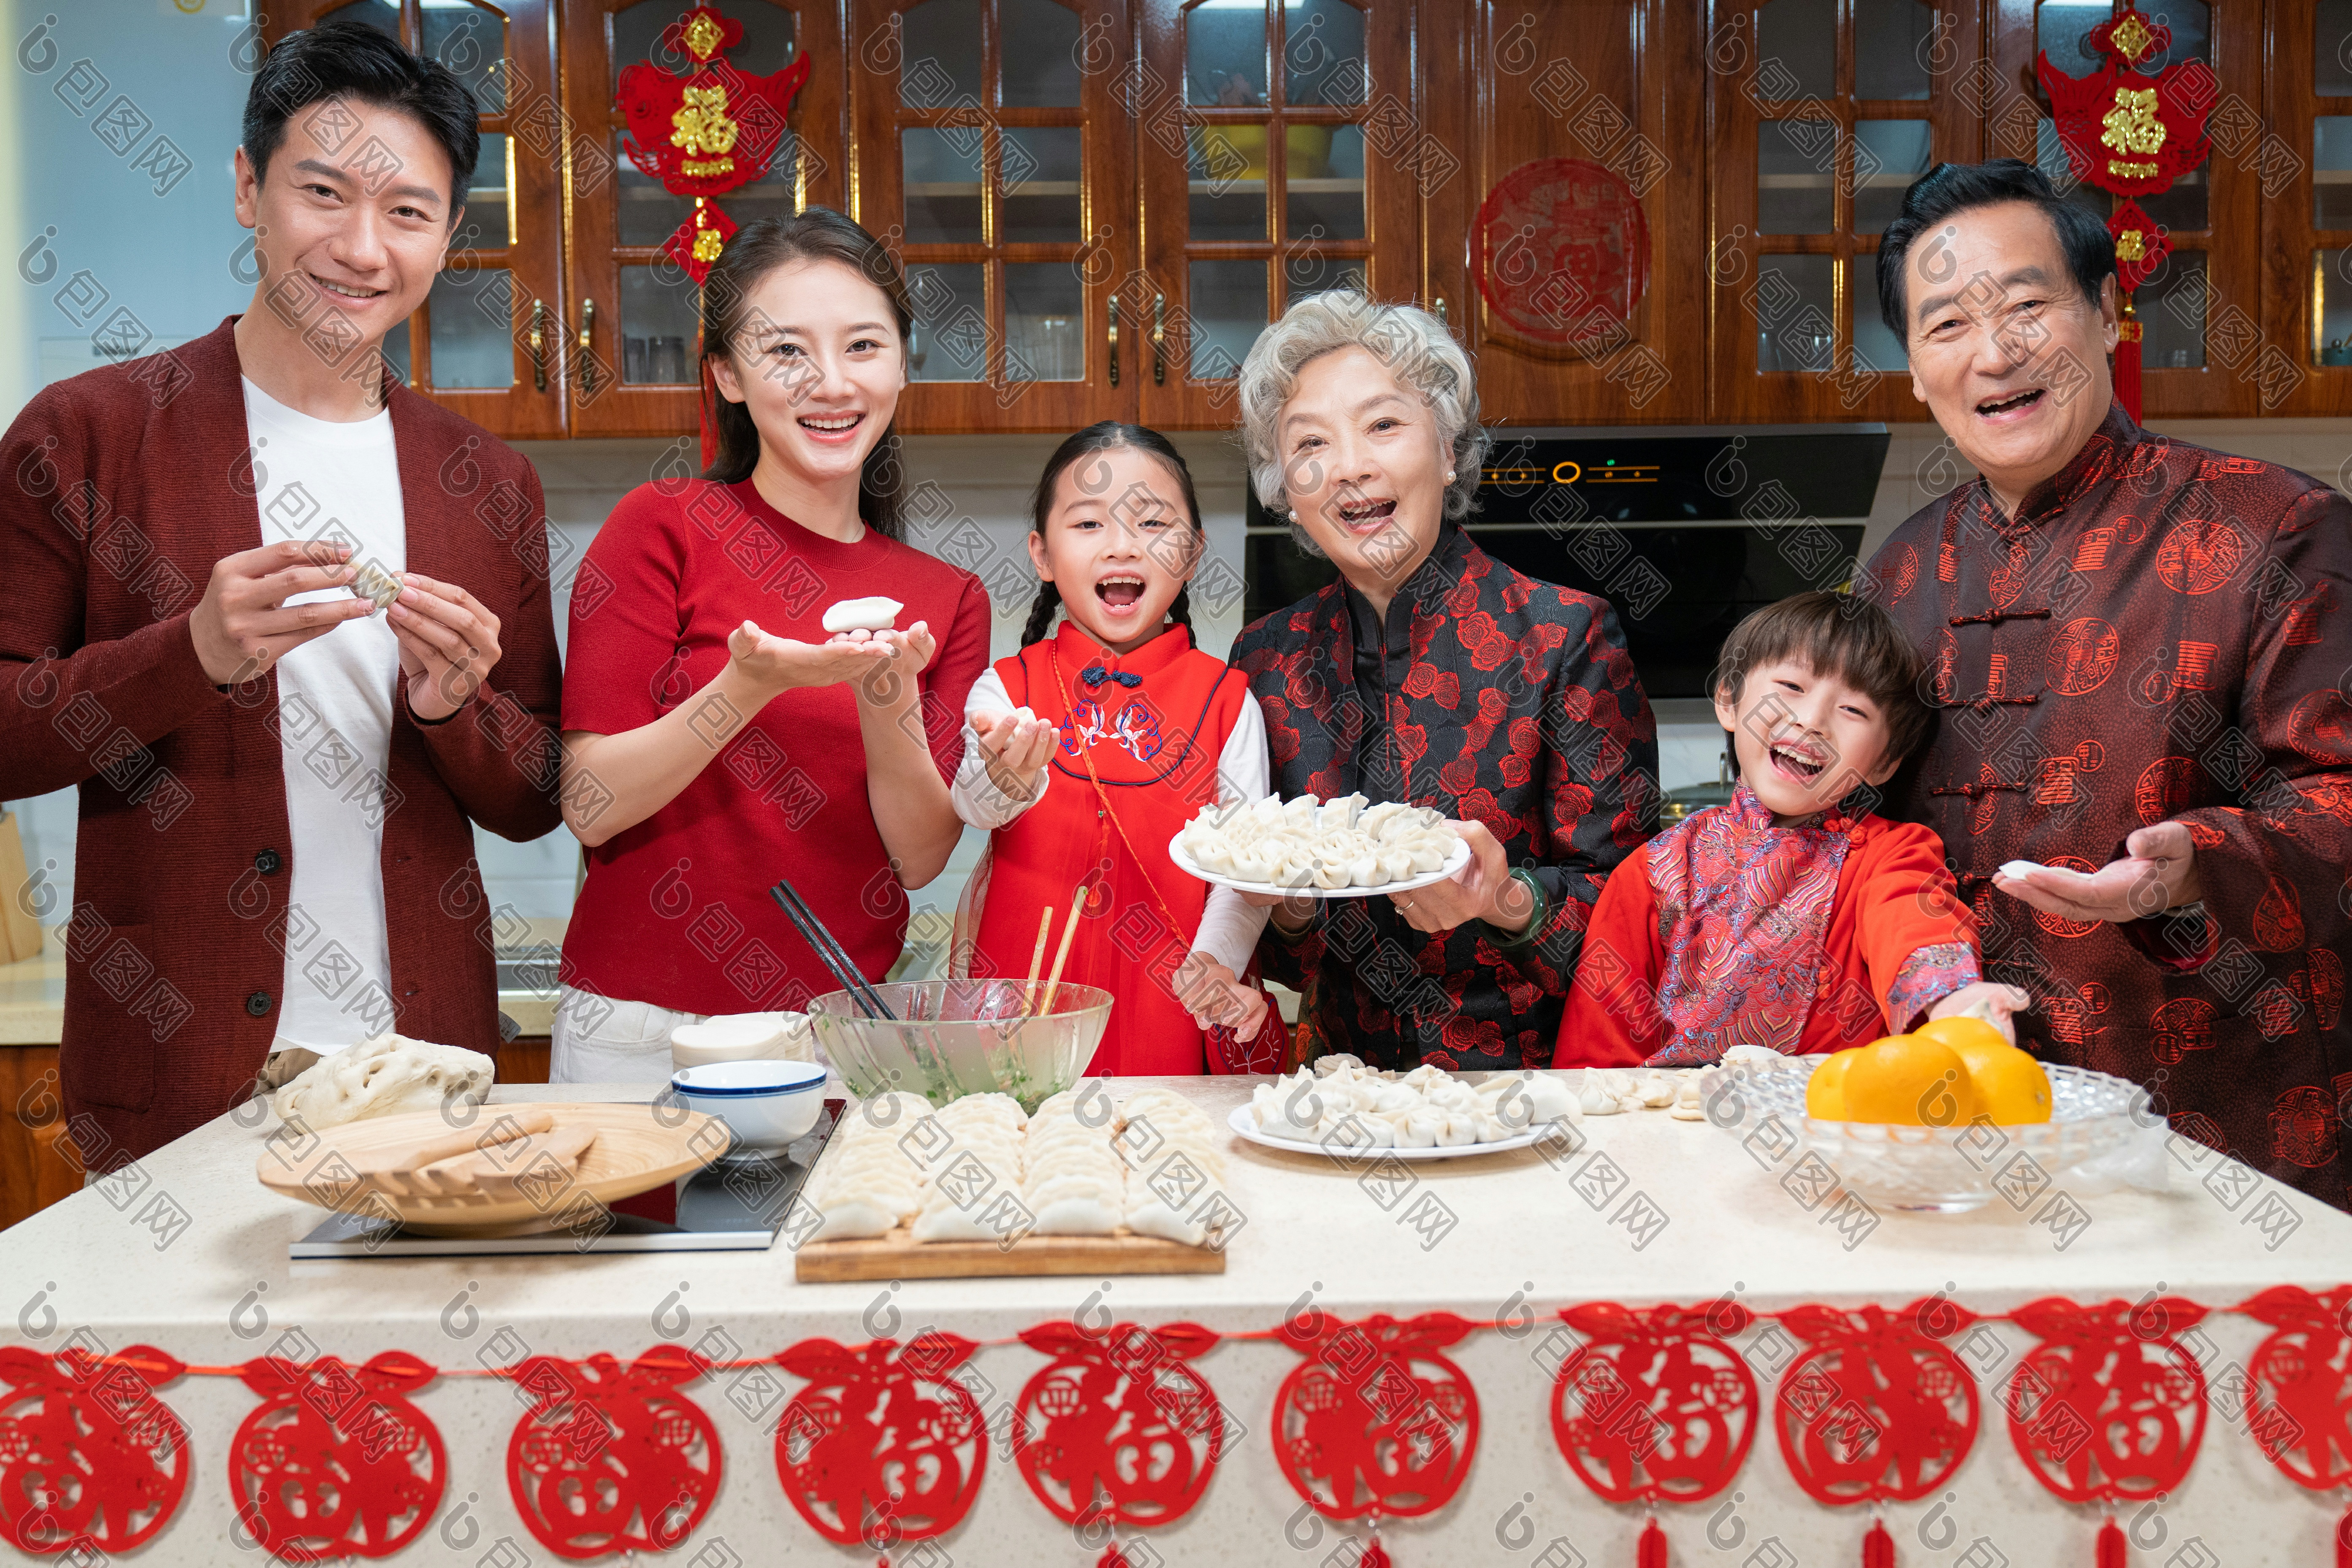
<point x="1428" y="1108"/>
<point x="866" y="1184"/>
<point x="1156" y="1127"/>
<point x="1323" y="845"/>
<point x="1069" y="1176"/>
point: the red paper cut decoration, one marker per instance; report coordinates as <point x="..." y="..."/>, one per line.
<point x="612" y="1459"/>
<point x="1117" y="1426"/>
<point x="2299" y="1405"/>
<point x="883" y="1446"/>
<point x="2110" y="1407"/>
<point x="335" y="1461"/>
<point x="1375" y="1422"/>
<point x="1562" y="252"/>
<point x="1655" y="1407"/>
<point x="90" y="1458"/>
<point x="705" y="132"/>
<point x="1877" y="1410"/>
<point x="2132" y="135"/>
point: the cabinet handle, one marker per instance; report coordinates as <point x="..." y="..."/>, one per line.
<point x="1441" y="310"/>
<point x="539" y="345"/>
<point x="1159" y="339"/>
<point x="1114" y="340"/>
<point x="587" y="339"/>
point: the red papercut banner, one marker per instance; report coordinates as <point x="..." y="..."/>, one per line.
<point x="610" y="1458"/>
<point x="1117" y="1426"/>
<point x="91" y="1460"/>
<point x="1375" y="1423"/>
<point x="2110" y="1407"/>
<point x="2299" y="1392"/>
<point x="1656" y="1407"/>
<point x="1877" y="1410"/>
<point x="2124" y="132"/>
<point x="335" y="1461"/>
<point x="884" y="1446"/>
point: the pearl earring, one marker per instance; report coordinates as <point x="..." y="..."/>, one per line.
<point x="1449" y="476"/>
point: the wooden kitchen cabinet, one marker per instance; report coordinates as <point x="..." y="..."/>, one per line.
<point x="1608" y="87"/>
<point x="993" y="155"/>
<point x="485" y="344"/>
<point x="631" y="317"/>
<point x="2306" y="191"/>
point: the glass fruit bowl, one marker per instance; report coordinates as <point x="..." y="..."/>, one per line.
<point x="954" y="1038"/>
<point x="2093" y="1116"/>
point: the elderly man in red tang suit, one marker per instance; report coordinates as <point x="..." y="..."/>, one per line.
<point x="2142" y="766"/>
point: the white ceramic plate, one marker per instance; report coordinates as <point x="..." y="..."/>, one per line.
<point x="1245" y="1124"/>
<point x="1454" y="863"/>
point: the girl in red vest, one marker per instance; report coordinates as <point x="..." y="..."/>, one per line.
<point x="1086" y="752"/>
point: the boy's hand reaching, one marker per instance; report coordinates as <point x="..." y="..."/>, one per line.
<point x="1016" y="747"/>
<point x="1986" y="999"/>
<point x="1216" y="998"/>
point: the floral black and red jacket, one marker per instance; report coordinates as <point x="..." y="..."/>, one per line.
<point x="1495" y="699"/>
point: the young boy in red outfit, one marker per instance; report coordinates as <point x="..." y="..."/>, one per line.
<point x="1779" y="919"/>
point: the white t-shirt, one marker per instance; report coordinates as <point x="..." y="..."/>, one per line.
<point x="322" y="480"/>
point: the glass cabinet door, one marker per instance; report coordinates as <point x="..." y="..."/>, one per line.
<point x="631" y="338"/>
<point x="2306" y="365"/>
<point x="1279" y="144"/>
<point x="1827" y="111"/>
<point x="993" y="157"/>
<point x="484" y="342"/>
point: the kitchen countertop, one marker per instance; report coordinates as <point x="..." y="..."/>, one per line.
<point x="33" y="991"/>
<point x="190" y="1254"/>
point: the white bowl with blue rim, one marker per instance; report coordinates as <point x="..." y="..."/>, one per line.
<point x="766" y="1104"/>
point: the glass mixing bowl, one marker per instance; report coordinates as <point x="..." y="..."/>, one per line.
<point x="954" y="1038"/>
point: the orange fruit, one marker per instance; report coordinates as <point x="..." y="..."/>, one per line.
<point x="1910" y="1081"/>
<point x="1962" y="1033"/>
<point x="2012" y="1088"/>
<point x="1825" y="1090"/>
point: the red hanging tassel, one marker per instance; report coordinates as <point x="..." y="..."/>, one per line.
<point x="1651" y="1553"/>
<point x="1112" y="1557"/>
<point x="2127" y="337"/>
<point x="2115" y="1551"/>
<point x="2344" y="1541"/>
<point x="1375" y="1555"/>
<point x="1878" y="1547"/>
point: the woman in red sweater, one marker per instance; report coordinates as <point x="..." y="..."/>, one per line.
<point x="716" y="736"/>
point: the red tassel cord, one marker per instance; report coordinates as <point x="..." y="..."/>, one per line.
<point x="2114" y="1552"/>
<point x="1651" y="1553"/>
<point x="1878" y="1547"/>
<point x="1375" y="1555"/>
<point x="1112" y="1557"/>
<point x="2344" y="1541"/>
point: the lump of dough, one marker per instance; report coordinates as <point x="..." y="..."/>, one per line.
<point x="876" y="614"/>
<point x="382" y="1077"/>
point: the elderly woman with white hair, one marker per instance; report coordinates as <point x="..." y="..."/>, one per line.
<point x="1430" y="672"/>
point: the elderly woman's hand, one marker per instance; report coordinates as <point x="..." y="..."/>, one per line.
<point x="1482" y="891"/>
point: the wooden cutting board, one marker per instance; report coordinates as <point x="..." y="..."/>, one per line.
<point x="898" y="1255"/>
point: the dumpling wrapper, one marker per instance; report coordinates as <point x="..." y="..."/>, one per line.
<point x="383" y="1076"/>
<point x="875" y="615"/>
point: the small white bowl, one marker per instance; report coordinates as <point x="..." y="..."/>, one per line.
<point x="743" y="1036"/>
<point x="766" y="1104"/>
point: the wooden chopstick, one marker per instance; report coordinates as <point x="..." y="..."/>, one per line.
<point x="1037" y="956"/>
<point x="1069" y="930"/>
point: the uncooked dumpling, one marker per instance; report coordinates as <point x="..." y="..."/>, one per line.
<point x="875" y="615"/>
<point x="383" y="1076"/>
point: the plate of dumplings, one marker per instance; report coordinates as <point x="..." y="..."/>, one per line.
<point x="1345" y="848"/>
<point x="1344" y="1110"/>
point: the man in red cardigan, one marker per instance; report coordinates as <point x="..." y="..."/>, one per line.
<point x="279" y="778"/>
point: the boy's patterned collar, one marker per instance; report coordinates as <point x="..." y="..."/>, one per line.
<point x="1751" y="812"/>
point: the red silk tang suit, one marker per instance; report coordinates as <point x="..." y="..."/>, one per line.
<point x="1153" y="724"/>
<point x="1727" y="930"/>
<point x="2158" y="634"/>
<point x="1495" y="699"/>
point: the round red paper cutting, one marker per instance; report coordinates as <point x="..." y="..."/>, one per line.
<point x="1561" y="251"/>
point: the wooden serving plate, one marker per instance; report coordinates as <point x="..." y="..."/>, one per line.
<point x="635" y="1150"/>
<point x="898" y="1255"/>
